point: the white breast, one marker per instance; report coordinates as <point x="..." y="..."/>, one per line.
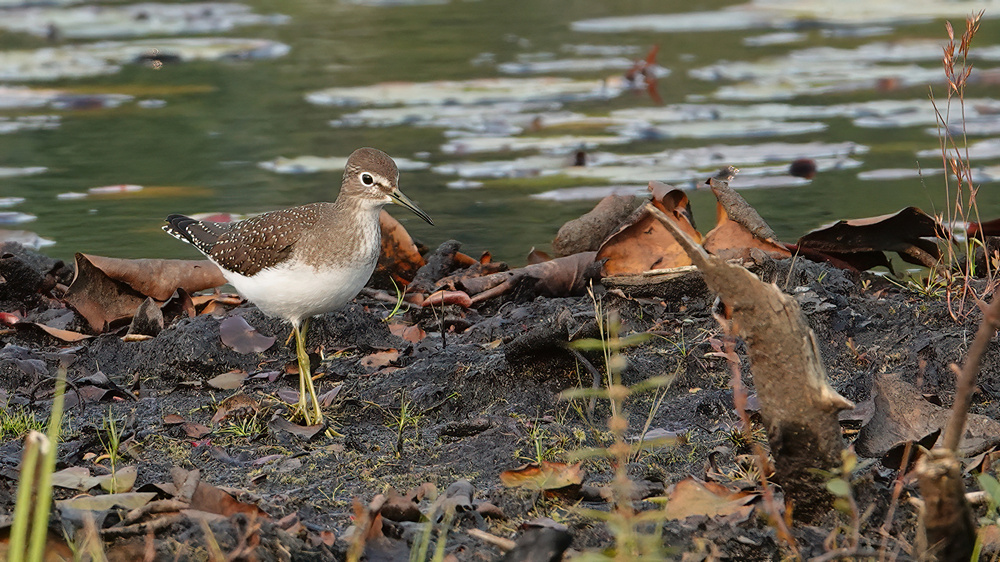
<point x="297" y="293"/>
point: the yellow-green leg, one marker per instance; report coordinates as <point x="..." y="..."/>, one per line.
<point x="305" y="378"/>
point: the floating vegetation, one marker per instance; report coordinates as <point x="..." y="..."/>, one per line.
<point x="106" y="57"/>
<point x="980" y="150"/>
<point x="313" y="164"/>
<point x="718" y="129"/>
<point x="28" y="171"/>
<point x="559" y="66"/>
<point x="468" y="92"/>
<point x="10" y="201"/>
<point x="528" y="166"/>
<point x="898" y="173"/>
<point x="28" y="123"/>
<point x="821" y="70"/>
<point x="14" y="217"/>
<point x="114" y="189"/>
<point x="686" y="166"/>
<point x="509" y="118"/>
<point x="777" y="38"/>
<point x="768" y="14"/>
<point x="135" y="20"/>
<point x="464" y="184"/>
<point x="559" y="144"/>
<point x="22" y="97"/>
<point x="25" y="238"/>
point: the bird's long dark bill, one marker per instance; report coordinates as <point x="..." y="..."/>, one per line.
<point x="403" y="200"/>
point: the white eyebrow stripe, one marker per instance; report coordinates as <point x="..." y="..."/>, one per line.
<point x="379" y="178"/>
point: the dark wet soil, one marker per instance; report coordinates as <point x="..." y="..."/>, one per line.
<point x="477" y="396"/>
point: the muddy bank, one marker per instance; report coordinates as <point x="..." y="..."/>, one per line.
<point x="477" y="395"/>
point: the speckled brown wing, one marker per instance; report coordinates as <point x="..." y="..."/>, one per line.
<point x="263" y="241"/>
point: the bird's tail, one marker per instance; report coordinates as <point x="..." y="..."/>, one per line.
<point x="199" y="234"/>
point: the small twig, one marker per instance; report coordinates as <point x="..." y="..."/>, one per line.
<point x="498" y="290"/>
<point x="138" y="529"/>
<point x="966" y="383"/>
<point x="595" y="377"/>
<point x="160" y="506"/>
<point x="897" y="490"/>
<point x="851" y="552"/>
<point x="499" y="542"/>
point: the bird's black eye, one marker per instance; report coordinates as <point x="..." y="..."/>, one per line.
<point x="367" y="179"/>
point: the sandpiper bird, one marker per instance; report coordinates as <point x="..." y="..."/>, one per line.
<point x="299" y="262"/>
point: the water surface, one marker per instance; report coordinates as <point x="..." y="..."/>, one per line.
<point x="194" y="133"/>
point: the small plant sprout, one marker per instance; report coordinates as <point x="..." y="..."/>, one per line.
<point x="400" y="294"/>
<point x="839" y="484"/>
<point x="408" y="416"/>
<point x="632" y="541"/>
<point x="111" y="446"/>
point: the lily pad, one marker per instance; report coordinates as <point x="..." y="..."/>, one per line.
<point x="479" y="91"/>
<point x="106" y="57"/>
<point x="557" y="66"/>
<point x="27" y="122"/>
<point x="768" y="14"/>
<point x="149" y="18"/>
<point x="29" y="171"/>
<point x="313" y="164"/>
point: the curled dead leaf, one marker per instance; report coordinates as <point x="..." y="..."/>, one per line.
<point x="911" y="233"/>
<point x="107" y="290"/>
<point x="400" y="258"/>
<point x="642" y="243"/>
<point x="691" y="497"/>
<point x="585" y="234"/>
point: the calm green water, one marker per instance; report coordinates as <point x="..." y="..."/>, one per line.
<point x="199" y="152"/>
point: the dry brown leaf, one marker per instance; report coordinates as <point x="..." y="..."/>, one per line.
<point x="379" y="359"/>
<point x="121" y="480"/>
<point x="242" y="337"/>
<point x="306" y="432"/>
<point x="544" y="476"/>
<point x="210" y="499"/>
<point x="238" y="404"/>
<point x="158" y="278"/>
<point x="537" y="256"/>
<point x="561" y="277"/>
<point x="565" y="276"/>
<point x="400" y="257"/>
<point x="902" y="414"/>
<point x="585" y="234"/>
<point x="195" y="430"/>
<point x="400" y="508"/>
<point x="691" y="497"/>
<point x="441" y="298"/>
<point x="173" y="419"/>
<point x="911" y="233"/>
<point x="412" y="334"/>
<point x="74" y="478"/>
<point x="106" y="290"/>
<point x="643" y="244"/>
<point x="105" y="502"/>
<point x="228" y="381"/>
<point x="67" y="336"/>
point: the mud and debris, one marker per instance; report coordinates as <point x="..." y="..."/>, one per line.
<point x="477" y="395"/>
